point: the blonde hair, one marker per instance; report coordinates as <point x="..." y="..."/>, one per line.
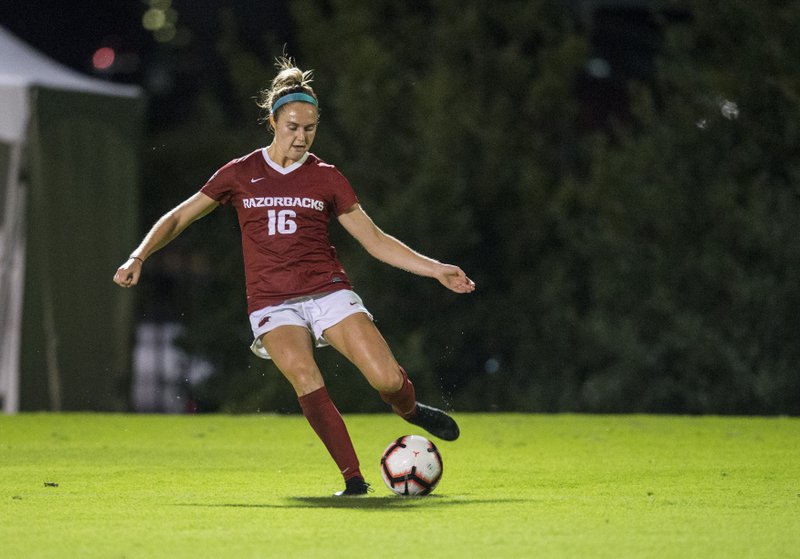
<point x="290" y="79"/>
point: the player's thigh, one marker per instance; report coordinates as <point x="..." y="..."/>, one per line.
<point x="359" y="340"/>
<point x="292" y="351"/>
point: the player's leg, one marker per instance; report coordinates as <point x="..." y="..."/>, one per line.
<point x="359" y="340"/>
<point x="291" y="350"/>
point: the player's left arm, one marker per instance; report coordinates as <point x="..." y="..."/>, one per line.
<point x="396" y="253"/>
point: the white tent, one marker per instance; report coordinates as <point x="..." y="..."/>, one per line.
<point x="68" y="207"/>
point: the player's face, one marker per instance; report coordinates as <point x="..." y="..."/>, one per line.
<point x="294" y="132"/>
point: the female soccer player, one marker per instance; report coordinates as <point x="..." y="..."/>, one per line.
<point x="298" y="294"/>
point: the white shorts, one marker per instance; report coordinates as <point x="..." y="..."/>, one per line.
<point x="314" y="312"/>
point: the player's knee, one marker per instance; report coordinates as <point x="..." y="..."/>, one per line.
<point x="304" y="378"/>
<point x="389" y="381"/>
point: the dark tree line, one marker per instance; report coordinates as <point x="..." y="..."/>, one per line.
<point x="631" y="227"/>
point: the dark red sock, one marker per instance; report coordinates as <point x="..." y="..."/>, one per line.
<point x="404" y="401"/>
<point x="327" y="422"/>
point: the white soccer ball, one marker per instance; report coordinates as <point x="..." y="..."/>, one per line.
<point x="411" y="466"/>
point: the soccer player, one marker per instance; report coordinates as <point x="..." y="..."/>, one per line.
<point x="298" y="294"/>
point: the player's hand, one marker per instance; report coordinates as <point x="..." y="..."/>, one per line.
<point x="128" y="274"/>
<point x="454" y="279"/>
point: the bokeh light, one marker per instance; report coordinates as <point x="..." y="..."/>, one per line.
<point x="165" y="33"/>
<point x="161" y="19"/>
<point x="154" y="19"/>
<point x="103" y="58"/>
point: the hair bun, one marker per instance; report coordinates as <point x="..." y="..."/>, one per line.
<point x="290" y="79"/>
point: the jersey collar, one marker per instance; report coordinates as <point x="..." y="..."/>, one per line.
<point x="284" y="170"/>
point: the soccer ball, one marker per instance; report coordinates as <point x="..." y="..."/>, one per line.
<point x="411" y="466"/>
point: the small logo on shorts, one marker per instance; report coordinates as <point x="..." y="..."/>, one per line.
<point x="263" y="321"/>
<point x="353" y="303"/>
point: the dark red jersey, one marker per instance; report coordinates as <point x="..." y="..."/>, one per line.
<point x="283" y="217"/>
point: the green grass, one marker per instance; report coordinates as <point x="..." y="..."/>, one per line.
<point x="545" y="486"/>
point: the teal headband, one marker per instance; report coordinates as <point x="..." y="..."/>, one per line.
<point x="304" y="97"/>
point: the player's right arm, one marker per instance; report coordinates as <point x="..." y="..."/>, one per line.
<point x="169" y="226"/>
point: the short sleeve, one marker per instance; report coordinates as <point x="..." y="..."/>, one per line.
<point x="344" y="197"/>
<point x="221" y="184"/>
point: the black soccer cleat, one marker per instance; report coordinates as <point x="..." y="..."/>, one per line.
<point x="354" y="487"/>
<point x="436" y="422"/>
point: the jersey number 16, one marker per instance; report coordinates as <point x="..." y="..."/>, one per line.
<point x="281" y="222"/>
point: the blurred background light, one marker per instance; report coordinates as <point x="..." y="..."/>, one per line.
<point x="729" y="109"/>
<point x="598" y="68"/>
<point x="492" y="365"/>
<point x="154" y="19"/>
<point x="103" y="58"/>
<point x="165" y="33"/>
<point x="161" y="19"/>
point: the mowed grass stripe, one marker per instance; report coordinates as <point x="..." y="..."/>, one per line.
<point x="514" y="485"/>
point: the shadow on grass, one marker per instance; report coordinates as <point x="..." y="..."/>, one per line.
<point x="388" y="502"/>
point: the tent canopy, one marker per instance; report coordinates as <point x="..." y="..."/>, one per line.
<point x="69" y="149"/>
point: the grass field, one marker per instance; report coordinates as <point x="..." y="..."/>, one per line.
<point x="550" y="486"/>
